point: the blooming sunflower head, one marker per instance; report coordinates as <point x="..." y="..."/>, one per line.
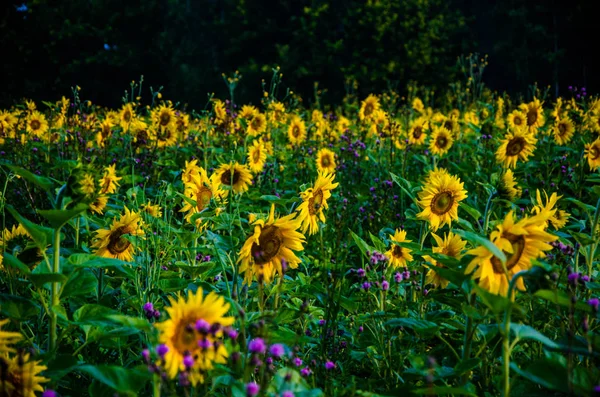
<point x="326" y="161"/>
<point x="546" y="210"/>
<point x="233" y="176"/>
<point x="257" y="124"/>
<point x="534" y="114"/>
<point x="153" y="210"/>
<point x="368" y="107"/>
<point x="21" y="376"/>
<point x="592" y="154"/>
<point x="163" y="117"/>
<point x="451" y="245"/>
<point x="276" y="111"/>
<point x="296" y="130"/>
<point x="111" y="243"/>
<point x="7" y="338"/>
<point x="520" y="242"/>
<point x="399" y="256"/>
<point x="516" y="119"/>
<point x="563" y="130"/>
<point x="518" y="144"/>
<point x="439" y="200"/>
<point x="126" y="116"/>
<point x="110" y="180"/>
<point x="37" y="124"/>
<point x="314" y="201"/>
<point x="441" y="141"/>
<point x="417" y="133"/>
<point x="257" y="156"/>
<point x="417" y="105"/>
<point x="271" y="247"/>
<point x="200" y="190"/>
<point x="192" y="338"/>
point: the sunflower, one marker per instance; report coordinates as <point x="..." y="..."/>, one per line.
<point x="314" y="200"/>
<point x="548" y="211"/>
<point x="195" y="329"/>
<point x="592" y="154"/>
<point x="165" y="137"/>
<point x="220" y="112"/>
<point x="201" y="190"/>
<point x="520" y="242"/>
<point x="518" y="144"/>
<point x="516" y="119"/>
<point x="276" y="111"/>
<point x="451" y="124"/>
<point x="7" y="338"/>
<point x="37" y="124"/>
<point x="111" y="243"/>
<point x="257" y="124"/>
<point x="20" y="377"/>
<point x="507" y="186"/>
<point x="126" y="116"/>
<point x="17" y="242"/>
<point x="435" y="173"/>
<point x="272" y="243"/>
<point x="248" y="112"/>
<point x="87" y="185"/>
<point x="164" y="117"/>
<point x="97" y="206"/>
<point x="594" y="122"/>
<point x="110" y="180"/>
<point x="296" y="130"/>
<point x="563" y="130"/>
<point x="534" y="114"/>
<point x="105" y="132"/>
<point x="368" y="107"/>
<point x="233" y="176"/>
<point x="499" y="116"/>
<point x="326" y="161"/>
<point x="441" y="141"/>
<point x="439" y="200"/>
<point x="153" y="210"/>
<point x="191" y="169"/>
<point x="451" y="245"/>
<point x="399" y="256"/>
<point x="417" y="104"/>
<point x="342" y="124"/>
<point x="417" y="133"/>
<point x="257" y="156"/>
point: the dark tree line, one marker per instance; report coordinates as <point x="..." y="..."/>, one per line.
<point x="48" y="46"/>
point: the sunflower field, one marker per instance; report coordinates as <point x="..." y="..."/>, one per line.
<point x="437" y="243"/>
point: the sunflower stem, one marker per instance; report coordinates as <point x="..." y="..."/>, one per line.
<point x="488" y="211"/>
<point x="54" y="292"/>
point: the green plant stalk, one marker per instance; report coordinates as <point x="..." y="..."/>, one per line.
<point x="487" y="212"/>
<point x="506" y="346"/>
<point x="55" y="301"/>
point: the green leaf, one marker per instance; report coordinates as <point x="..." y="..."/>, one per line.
<point x="405" y="186"/>
<point x="80" y="282"/>
<point x="93" y="314"/>
<point x="42" y="278"/>
<point x="478" y="240"/>
<point x="173" y="284"/>
<point x="123" y="380"/>
<point x="41" y="235"/>
<point x="43" y="182"/>
<point x="15" y="263"/>
<point x="522" y="331"/>
<point x="17" y="307"/>
<point x="419" y="326"/>
<point x="561" y="298"/>
<point x="545" y="372"/>
<point x="474" y="213"/>
<point x="496" y="303"/>
<point x="96" y="262"/>
<point x="584" y="206"/>
<point x="57" y="218"/>
<point x="361" y="244"/>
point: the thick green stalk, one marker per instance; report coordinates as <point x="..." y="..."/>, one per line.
<point x="55" y="301"/>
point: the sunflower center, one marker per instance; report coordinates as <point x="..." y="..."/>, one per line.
<point x="296" y="131"/>
<point x="185" y="338"/>
<point x="532" y="117"/>
<point x="517" y="120"/>
<point x="441" y="203"/>
<point x="256" y="155"/>
<point x="325" y="162"/>
<point x="105" y="131"/>
<point x="35" y="124"/>
<point x="562" y="129"/>
<point x="368" y="109"/>
<point x="518" y="246"/>
<point x="230" y="177"/>
<point x="256" y="123"/>
<point x="203" y="198"/>
<point x="315" y="202"/>
<point x="127" y="116"/>
<point x="441" y="142"/>
<point x="268" y="246"/>
<point x="165" y="118"/>
<point x="448" y="125"/>
<point x="417" y="132"/>
<point x="515" y="146"/>
<point x="397" y="251"/>
<point x="595" y="152"/>
<point x="117" y="244"/>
